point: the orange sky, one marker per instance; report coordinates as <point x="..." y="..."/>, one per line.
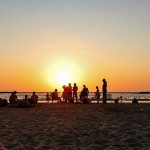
<point x="89" y="40"/>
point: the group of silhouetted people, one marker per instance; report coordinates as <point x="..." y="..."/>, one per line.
<point x="69" y="95"/>
<point x="52" y="96"/>
<point x="26" y="102"/>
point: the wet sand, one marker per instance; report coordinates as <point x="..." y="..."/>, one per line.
<point x="76" y="126"/>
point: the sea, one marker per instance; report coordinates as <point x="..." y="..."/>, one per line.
<point x="126" y="96"/>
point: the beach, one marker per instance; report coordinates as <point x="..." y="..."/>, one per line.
<point x="76" y="126"/>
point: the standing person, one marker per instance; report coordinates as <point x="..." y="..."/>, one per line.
<point x="47" y="97"/>
<point x="75" y="90"/>
<point x="104" y="89"/>
<point x="34" y="99"/>
<point x="55" y="95"/>
<point x="97" y="94"/>
<point x="64" y="94"/>
<point x="69" y="92"/>
<point x="84" y="94"/>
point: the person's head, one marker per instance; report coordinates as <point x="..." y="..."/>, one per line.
<point x="84" y="86"/>
<point x="33" y="93"/>
<point x="104" y="80"/>
<point x="55" y="90"/>
<point x="69" y="84"/>
<point x="14" y="92"/>
<point x="75" y="84"/>
<point x="96" y="87"/>
<point x="64" y="86"/>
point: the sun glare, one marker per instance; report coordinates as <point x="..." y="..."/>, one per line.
<point x="62" y="73"/>
<point x="63" y="76"/>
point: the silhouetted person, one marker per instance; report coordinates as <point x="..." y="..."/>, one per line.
<point x="47" y="97"/>
<point x="34" y="99"/>
<point x="75" y="90"/>
<point x="27" y="100"/>
<point x="69" y="93"/>
<point x="135" y="101"/>
<point x="84" y="94"/>
<point x="104" y="89"/>
<point x="117" y="100"/>
<point x="55" y="95"/>
<point x="64" y="94"/>
<point x="121" y="97"/>
<point x="24" y="102"/>
<point x="13" y="98"/>
<point x="97" y="94"/>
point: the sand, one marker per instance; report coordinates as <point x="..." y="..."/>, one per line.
<point x="76" y="126"/>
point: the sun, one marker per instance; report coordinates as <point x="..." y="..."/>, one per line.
<point x="62" y="73"/>
<point x="63" y="76"/>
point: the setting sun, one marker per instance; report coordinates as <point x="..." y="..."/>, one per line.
<point x="63" y="76"/>
<point x="62" y="73"/>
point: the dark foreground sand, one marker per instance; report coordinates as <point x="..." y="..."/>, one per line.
<point x="76" y="126"/>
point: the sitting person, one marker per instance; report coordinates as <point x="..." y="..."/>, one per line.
<point x="84" y="94"/>
<point x="34" y="99"/>
<point x="116" y="101"/>
<point x="13" y="100"/>
<point x="135" y="101"/>
<point x="55" y="95"/>
<point x="24" y="102"/>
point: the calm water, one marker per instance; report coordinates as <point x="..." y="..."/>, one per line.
<point x="114" y="95"/>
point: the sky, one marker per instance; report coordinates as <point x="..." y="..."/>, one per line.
<point x="46" y="43"/>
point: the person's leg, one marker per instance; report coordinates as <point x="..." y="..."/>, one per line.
<point x="104" y="97"/>
<point x="76" y="97"/>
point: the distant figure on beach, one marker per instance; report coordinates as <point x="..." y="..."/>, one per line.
<point x="27" y="100"/>
<point x="13" y="100"/>
<point x="26" y="97"/>
<point x="64" y="94"/>
<point x="135" y="101"/>
<point x="24" y="102"/>
<point x="47" y="97"/>
<point x="75" y="90"/>
<point x="104" y="89"/>
<point x="97" y="94"/>
<point x="121" y="97"/>
<point x="69" y="93"/>
<point x="55" y="95"/>
<point x="84" y="94"/>
<point x="34" y="99"/>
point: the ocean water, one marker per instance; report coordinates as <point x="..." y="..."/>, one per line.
<point x="112" y="95"/>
